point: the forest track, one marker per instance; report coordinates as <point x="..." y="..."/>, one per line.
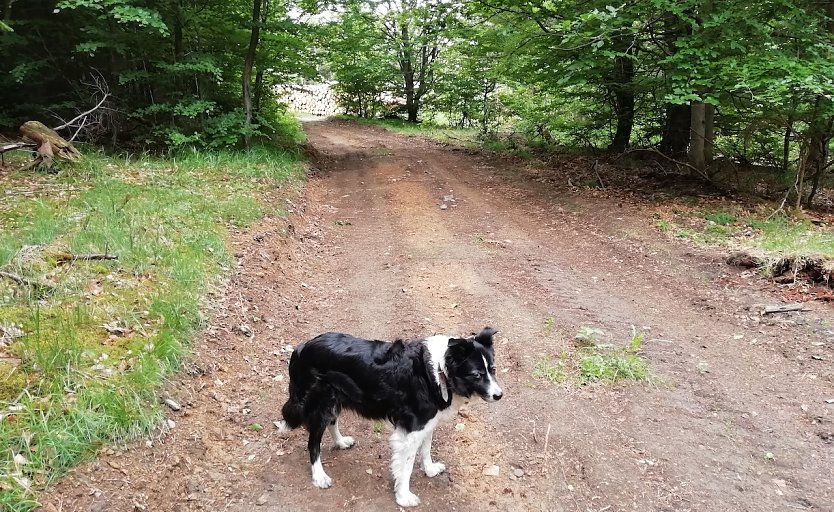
<point x="736" y="419"/>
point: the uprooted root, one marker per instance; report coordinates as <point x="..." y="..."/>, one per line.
<point x="788" y="269"/>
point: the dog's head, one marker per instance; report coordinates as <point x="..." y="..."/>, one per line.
<point x="470" y="366"/>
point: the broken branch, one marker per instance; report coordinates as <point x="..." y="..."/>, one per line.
<point x="105" y="95"/>
<point x="24" y="281"/>
<point x="66" y="257"/>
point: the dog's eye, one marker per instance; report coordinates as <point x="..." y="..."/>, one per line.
<point x="492" y="370"/>
<point x="475" y="375"/>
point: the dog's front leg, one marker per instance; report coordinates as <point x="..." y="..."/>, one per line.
<point x="404" y="448"/>
<point x="432" y="469"/>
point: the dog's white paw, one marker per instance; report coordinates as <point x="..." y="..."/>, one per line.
<point x="434" y="469"/>
<point x="321" y="480"/>
<point x="407" y="499"/>
<point x="345" y="442"/>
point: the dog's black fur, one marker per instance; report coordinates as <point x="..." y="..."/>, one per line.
<point x="382" y="380"/>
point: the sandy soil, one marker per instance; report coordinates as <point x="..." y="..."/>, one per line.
<point x="736" y="419"/>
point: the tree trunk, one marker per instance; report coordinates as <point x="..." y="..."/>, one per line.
<point x="259" y="85"/>
<point x="675" y="131"/>
<point x="7" y="10"/>
<point x="411" y="102"/>
<point x="700" y="148"/>
<point x="178" y="31"/>
<point x="817" y="158"/>
<point x="709" y="133"/>
<point x="786" y="144"/>
<point x="413" y="108"/>
<point x="50" y="144"/>
<point x="259" y="76"/>
<point x="697" y="136"/>
<point x="623" y="102"/>
<point x="248" y="64"/>
<point x="821" y="129"/>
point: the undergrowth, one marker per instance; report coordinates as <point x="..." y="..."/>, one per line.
<point x="85" y="345"/>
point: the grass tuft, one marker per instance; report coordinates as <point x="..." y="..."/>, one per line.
<point x="590" y="361"/>
<point x="613" y="364"/>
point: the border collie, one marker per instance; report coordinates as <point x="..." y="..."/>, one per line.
<point x="414" y="385"/>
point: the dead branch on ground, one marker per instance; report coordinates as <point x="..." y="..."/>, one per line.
<point x="22" y="281"/>
<point x="697" y="171"/>
<point x="67" y="257"/>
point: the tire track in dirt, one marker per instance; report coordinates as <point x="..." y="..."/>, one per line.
<point x="373" y="254"/>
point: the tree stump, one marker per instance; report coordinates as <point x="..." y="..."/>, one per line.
<point x="50" y="144"/>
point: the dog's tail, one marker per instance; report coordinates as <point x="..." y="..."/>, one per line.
<point x="293" y="410"/>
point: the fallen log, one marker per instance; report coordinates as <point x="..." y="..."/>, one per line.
<point x="50" y="144"/>
<point x="782" y="308"/>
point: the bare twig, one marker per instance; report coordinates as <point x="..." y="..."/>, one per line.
<point x="65" y="257"/>
<point x="80" y="127"/>
<point x="85" y="114"/>
<point x="16" y="145"/>
<point x="596" y="171"/>
<point x="546" y="440"/>
<point x="24" y="281"/>
<point x="677" y="162"/>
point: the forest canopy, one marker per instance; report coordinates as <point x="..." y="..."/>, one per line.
<point x="693" y="80"/>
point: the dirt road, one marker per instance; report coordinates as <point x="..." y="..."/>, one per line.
<point x="736" y="419"/>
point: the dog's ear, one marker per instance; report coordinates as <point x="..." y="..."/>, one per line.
<point x="458" y="343"/>
<point x="485" y="336"/>
<point x="459" y="348"/>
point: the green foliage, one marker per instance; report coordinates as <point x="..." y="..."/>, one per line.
<point x="360" y="64"/>
<point x="388" y="52"/>
<point x="173" y="69"/>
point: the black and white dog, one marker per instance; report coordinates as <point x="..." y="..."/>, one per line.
<point x="414" y="385"/>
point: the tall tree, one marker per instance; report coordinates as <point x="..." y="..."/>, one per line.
<point x="416" y="30"/>
<point x="248" y="64"/>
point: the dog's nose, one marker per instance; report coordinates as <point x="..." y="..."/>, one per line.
<point x="497" y="396"/>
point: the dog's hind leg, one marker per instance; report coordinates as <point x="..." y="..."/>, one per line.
<point x="339" y="441"/>
<point x="320" y="478"/>
<point x="432" y="469"/>
<point x="404" y="447"/>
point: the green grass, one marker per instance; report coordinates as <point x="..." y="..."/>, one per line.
<point x="794" y="237"/>
<point x="75" y="386"/>
<point x="720" y="217"/>
<point x="758" y="229"/>
<point x="590" y="361"/>
<point x="613" y="364"/>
